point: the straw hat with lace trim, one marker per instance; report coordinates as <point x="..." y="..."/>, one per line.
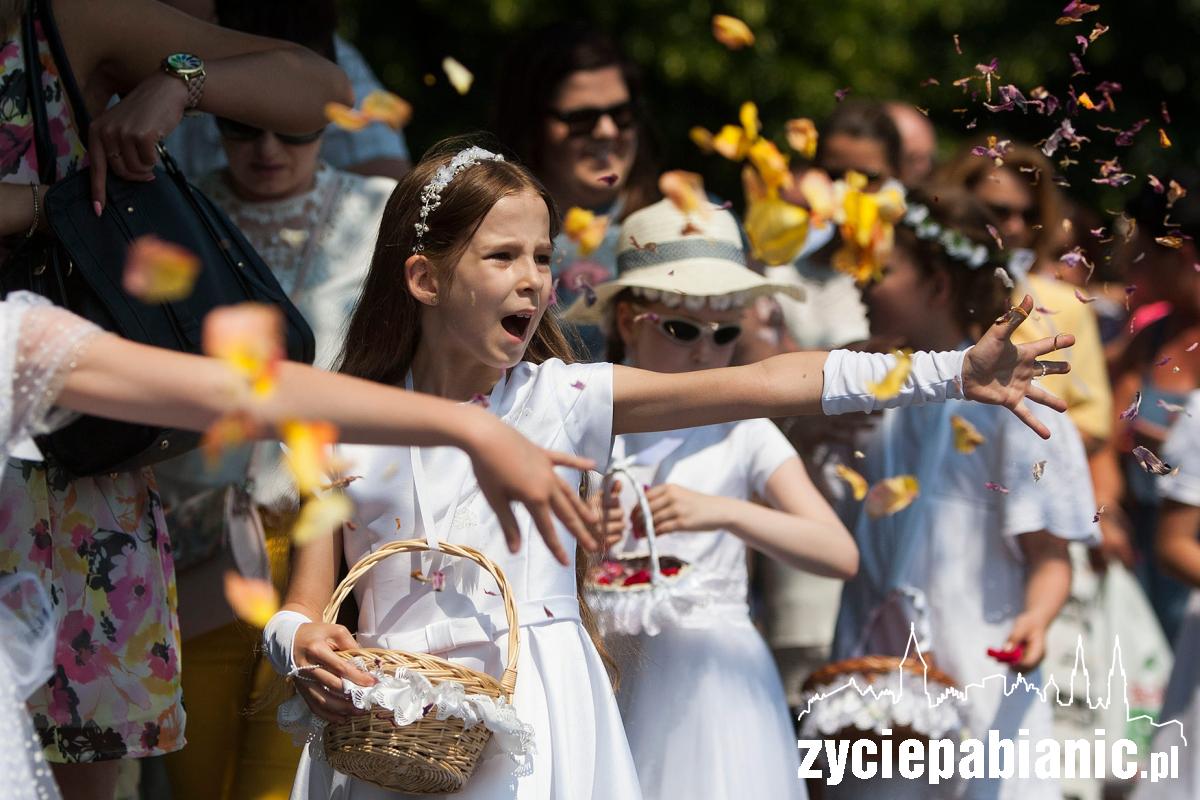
<point x="706" y="266"/>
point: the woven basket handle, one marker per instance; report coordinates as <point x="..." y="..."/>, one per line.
<point x="647" y="518"/>
<point x="508" y="681"/>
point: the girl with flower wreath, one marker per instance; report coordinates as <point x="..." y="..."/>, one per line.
<point x="694" y="668"/>
<point x="969" y="566"/>
<point x="455" y="304"/>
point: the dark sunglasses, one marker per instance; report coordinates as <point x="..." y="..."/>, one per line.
<point x="1003" y="212"/>
<point x="240" y="132"/>
<point x="686" y="331"/>
<point x="582" y="121"/>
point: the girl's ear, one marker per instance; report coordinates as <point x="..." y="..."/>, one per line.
<point x="422" y="283"/>
<point x="942" y="289"/>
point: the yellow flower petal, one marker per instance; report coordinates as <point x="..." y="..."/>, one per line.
<point x="1164" y="141"/>
<point x="254" y="600"/>
<point x="685" y="190"/>
<point x="321" y="516"/>
<point x="776" y="228"/>
<point x="817" y="191"/>
<point x="158" y="271"/>
<point x="966" y="436"/>
<point x="857" y="483"/>
<point x="893" y="382"/>
<point x="344" y="117"/>
<point x="460" y="77"/>
<point x="802" y="137"/>
<point x="308" y="452"/>
<point x="390" y="109"/>
<point x="748" y="116"/>
<point x="731" y="32"/>
<point x="731" y="142"/>
<point x="248" y="337"/>
<point x="770" y="163"/>
<point x="1086" y="102"/>
<point x="585" y="229"/>
<point x="891" y="495"/>
<point x="702" y="138"/>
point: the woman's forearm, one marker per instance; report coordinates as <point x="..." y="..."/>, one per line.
<point x="16" y="208"/>
<point x="281" y="76"/>
<point x="1048" y="583"/>
<point x="815" y="546"/>
<point x="1175" y="544"/>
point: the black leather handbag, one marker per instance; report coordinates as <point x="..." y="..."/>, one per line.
<point x="81" y="265"/>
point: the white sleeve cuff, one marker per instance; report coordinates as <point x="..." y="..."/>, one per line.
<point x="278" y="637"/>
<point x="935" y="378"/>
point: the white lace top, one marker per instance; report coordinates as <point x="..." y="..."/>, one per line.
<point x="39" y="343"/>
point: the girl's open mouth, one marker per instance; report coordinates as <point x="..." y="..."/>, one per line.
<point x="516" y="324"/>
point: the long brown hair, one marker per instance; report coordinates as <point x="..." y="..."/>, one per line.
<point x="385" y="327"/>
<point x="978" y="294"/>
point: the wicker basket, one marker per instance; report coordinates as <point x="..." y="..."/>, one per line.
<point x="429" y="756"/>
<point x="871" y="669"/>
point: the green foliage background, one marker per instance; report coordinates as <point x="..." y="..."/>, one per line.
<point x="805" y="51"/>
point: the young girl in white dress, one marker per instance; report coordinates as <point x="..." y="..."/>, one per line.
<point x="985" y="543"/>
<point x="1179" y="551"/>
<point x="455" y="304"/>
<point x="706" y="671"/>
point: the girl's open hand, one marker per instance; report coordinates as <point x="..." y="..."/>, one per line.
<point x="998" y="372"/>
<point x="321" y="670"/>
<point x="675" y="509"/>
<point x="511" y="469"/>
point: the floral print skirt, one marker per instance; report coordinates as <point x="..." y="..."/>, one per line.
<point x="101" y="549"/>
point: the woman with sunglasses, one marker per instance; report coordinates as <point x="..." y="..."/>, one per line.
<point x="569" y="107"/>
<point x="315" y="226"/>
<point x="708" y="672"/>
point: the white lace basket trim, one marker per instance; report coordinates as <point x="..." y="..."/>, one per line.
<point x="409" y="695"/>
<point x="672" y="603"/>
<point x="932" y="711"/>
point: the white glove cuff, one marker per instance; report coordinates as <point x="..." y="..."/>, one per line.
<point x="935" y="378"/>
<point x="278" y="637"/>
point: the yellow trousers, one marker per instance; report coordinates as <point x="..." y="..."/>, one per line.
<point x="234" y="751"/>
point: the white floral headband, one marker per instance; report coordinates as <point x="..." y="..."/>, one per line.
<point x="431" y="195"/>
<point x="956" y="244"/>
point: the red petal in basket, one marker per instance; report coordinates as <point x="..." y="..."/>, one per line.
<point x="604" y="580"/>
<point x="1012" y="656"/>
<point x="641" y="576"/>
<point x="669" y="571"/>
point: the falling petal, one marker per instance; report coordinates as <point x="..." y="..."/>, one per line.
<point x="1191" y="347"/>
<point x="731" y="32"/>
<point x="1099" y="513"/>
<point x="585" y="229"/>
<point x="1086" y="102"/>
<point x="253" y="600"/>
<point x="345" y="117"/>
<point x="459" y="76"/>
<point x="1172" y="408"/>
<point x="771" y="164"/>
<point x="227" y="432"/>
<point x="999" y="488"/>
<point x="1175" y="193"/>
<point x="891" y="495"/>
<point x="390" y="109"/>
<point x="321" y="516"/>
<point x="578" y="385"/>
<point x="1164" y="141"/>
<point x="1162" y="362"/>
<point x="685" y="190"/>
<point x="248" y="337"/>
<point x="1132" y="411"/>
<point x="856" y="482"/>
<point x="1003" y="276"/>
<point x="1081" y="297"/>
<point x="1074" y="12"/>
<point x="1150" y="462"/>
<point x="802" y="137"/>
<point x="777" y="229"/>
<point x="957" y="45"/>
<point x="893" y="382"/>
<point x="1039" y="469"/>
<point x="649" y="247"/>
<point x="966" y="436"/>
<point x="840" y="94"/>
<point x="158" y="271"/>
<point x="702" y="138"/>
<point x="308" y="452"/>
<point x="548" y="614"/>
<point x="1173" y="242"/>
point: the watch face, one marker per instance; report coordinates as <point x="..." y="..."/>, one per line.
<point x="184" y="62"/>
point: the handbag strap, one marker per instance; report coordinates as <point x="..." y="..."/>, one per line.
<point x="43" y="146"/>
<point x="66" y="76"/>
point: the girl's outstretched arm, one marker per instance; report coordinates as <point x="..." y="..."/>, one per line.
<point x="116" y="378"/>
<point x="993" y="371"/>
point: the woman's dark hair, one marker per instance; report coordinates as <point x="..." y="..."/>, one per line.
<point x="385" y="328"/>
<point x="863" y="119"/>
<point x="978" y="295"/>
<point x="530" y="76"/>
<point x="310" y="23"/>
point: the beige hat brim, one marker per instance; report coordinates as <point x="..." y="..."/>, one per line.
<point x="695" y="277"/>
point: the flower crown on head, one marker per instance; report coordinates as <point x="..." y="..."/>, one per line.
<point x="956" y="244"/>
<point x="431" y="195"/>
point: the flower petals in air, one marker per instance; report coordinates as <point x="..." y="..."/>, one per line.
<point x="308" y="458"/>
<point x="345" y="117"/>
<point x="585" y="229"/>
<point x="227" y="432"/>
<point x="248" y="337"/>
<point x="254" y="600"/>
<point x="1150" y="462"/>
<point x="390" y="109"/>
<point x="893" y="382"/>
<point x="856" y="482"/>
<point x="999" y="488"/>
<point x="158" y="271"/>
<point x="891" y="495"/>
<point x="321" y="516"/>
<point x="460" y="77"/>
<point x="966" y="436"/>
<point x="1081" y="297"/>
<point x="802" y="137"/>
<point x="731" y="32"/>
<point x="685" y="190"/>
<point x="1132" y="411"/>
<point x="1039" y="469"/>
